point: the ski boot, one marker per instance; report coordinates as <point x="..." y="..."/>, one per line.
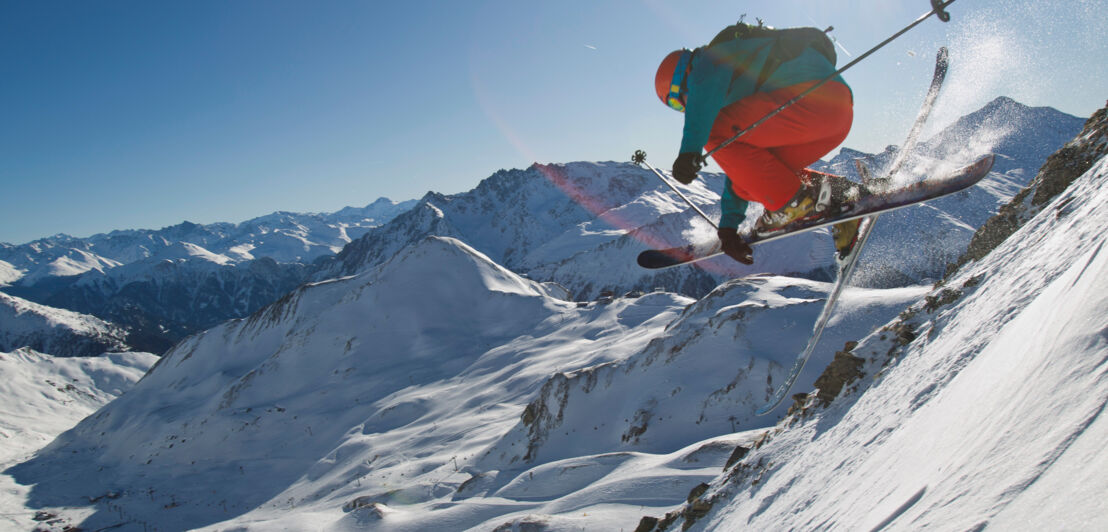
<point x="821" y="195"/>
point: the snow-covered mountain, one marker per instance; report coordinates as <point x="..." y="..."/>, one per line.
<point x="1021" y="136"/>
<point x="44" y="396"/>
<point x="56" y="331"/>
<point x="426" y="363"/>
<point x="529" y="220"/>
<point x="161" y="300"/>
<point x="164" y="285"/>
<point x="440" y="390"/>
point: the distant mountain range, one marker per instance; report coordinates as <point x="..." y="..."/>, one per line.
<point x="162" y="285"/>
<point x="578" y="224"/>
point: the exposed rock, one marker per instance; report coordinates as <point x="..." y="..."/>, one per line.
<point x="738" y="454"/>
<point x="844" y="369"/>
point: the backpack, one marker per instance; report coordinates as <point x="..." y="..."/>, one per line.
<point x="788" y="43"/>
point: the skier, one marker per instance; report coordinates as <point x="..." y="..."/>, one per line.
<point x="744" y="73"/>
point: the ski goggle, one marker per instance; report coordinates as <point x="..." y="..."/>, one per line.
<point x="677" y="89"/>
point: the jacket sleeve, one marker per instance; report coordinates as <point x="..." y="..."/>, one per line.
<point x="732" y="206"/>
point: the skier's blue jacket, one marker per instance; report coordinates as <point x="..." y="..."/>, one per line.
<point x="725" y="73"/>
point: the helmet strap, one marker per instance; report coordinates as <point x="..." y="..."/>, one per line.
<point x="678" y="86"/>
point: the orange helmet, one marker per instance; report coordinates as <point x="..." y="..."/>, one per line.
<point x="669" y="82"/>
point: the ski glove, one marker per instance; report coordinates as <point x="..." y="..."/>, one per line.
<point x="734" y="246"/>
<point x="686" y="166"/>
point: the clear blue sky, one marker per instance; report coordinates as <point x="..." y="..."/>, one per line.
<point x="138" y="114"/>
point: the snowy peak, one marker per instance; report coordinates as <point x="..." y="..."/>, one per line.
<point x="168" y="283"/>
<point x="282" y="236"/>
<point x="509" y="216"/>
<point x="380" y="211"/>
<point x="451" y="264"/>
<point x="1024" y="136"/>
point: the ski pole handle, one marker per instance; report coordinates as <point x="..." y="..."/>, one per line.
<point x="939" y="8"/>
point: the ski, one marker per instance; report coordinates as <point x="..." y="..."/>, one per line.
<point x="848" y="263"/>
<point x="926" y="190"/>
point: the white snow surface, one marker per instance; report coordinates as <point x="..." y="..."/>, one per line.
<point x="43" y="396"/>
<point x="990" y="419"/>
<point x="398" y="394"/>
<point x="8" y="273"/>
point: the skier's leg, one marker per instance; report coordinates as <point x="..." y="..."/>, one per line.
<point x="757" y="175"/>
<point x="823" y="113"/>
<point x="764" y="163"/>
<point x="799" y="156"/>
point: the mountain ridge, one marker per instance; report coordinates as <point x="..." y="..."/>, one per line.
<point x="574" y="224"/>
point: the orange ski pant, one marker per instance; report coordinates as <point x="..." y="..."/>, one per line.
<point x="763" y="164"/>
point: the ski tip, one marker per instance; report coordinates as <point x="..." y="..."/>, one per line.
<point x="981" y="166"/>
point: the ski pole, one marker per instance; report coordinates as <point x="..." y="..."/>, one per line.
<point x="640" y="158"/>
<point x="938" y="8"/>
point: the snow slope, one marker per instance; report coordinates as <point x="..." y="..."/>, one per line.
<point x="8" y="273"/>
<point x="363" y="381"/>
<point x="705" y="375"/>
<point x="392" y="393"/>
<point x="981" y="409"/>
<point x="53" y="330"/>
<point x="45" y="395"/>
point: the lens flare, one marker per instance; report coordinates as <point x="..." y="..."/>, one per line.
<point x="592" y="200"/>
